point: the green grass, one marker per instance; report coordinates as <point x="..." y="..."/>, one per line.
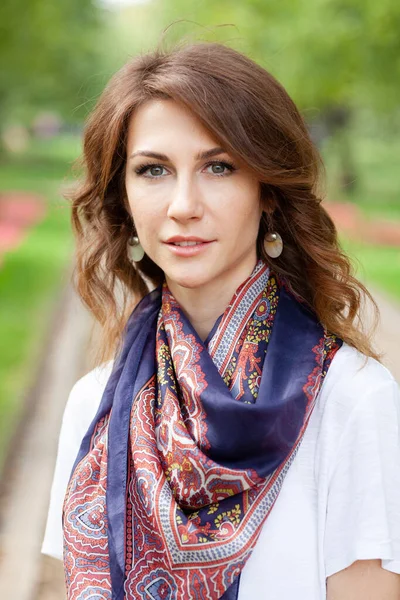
<point x="42" y="168"/>
<point x="379" y="265"/>
<point x="31" y="278"/>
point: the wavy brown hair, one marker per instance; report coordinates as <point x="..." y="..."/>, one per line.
<point x="247" y="110"/>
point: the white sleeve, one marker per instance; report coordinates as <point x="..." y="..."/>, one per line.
<point x="363" y="512"/>
<point x="79" y="412"/>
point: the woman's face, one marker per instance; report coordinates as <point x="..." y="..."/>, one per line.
<point x="196" y="210"/>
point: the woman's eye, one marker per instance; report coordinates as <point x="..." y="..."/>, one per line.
<point x="156" y="171"/>
<point x="220" y="168"/>
<point x="151" y="171"/>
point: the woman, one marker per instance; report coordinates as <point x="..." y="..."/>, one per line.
<point x="244" y="440"/>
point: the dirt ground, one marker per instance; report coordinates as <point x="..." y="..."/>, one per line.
<point x="24" y="573"/>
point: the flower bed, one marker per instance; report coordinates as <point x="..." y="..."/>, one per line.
<point x="35" y="253"/>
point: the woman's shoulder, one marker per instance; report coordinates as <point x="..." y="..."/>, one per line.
<point x="358" y="462"/>
<point x="85" y="396"/>
<point x="353" y="378"/>
<point x="359" y="407"/>
<point x="80" y="409"/>
<point x="93" y="382"/>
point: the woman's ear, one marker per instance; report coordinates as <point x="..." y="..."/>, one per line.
<point x="124" y="200"/>
<point x="268" y="200"/>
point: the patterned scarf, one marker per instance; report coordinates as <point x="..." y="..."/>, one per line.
<point x="190" y="446"/>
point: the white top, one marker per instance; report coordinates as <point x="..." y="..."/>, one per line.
<point x="340" y="501"/>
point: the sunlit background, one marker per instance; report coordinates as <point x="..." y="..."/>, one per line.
<point x="339" y="60"/>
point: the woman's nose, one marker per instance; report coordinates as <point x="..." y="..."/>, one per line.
<point x="185" y="201"/>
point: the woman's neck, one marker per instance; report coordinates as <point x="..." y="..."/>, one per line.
<point x="203" y="305"/>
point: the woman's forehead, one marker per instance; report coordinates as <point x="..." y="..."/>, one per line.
<point x="167" y="125"/>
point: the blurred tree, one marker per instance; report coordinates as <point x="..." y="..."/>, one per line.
<point x="132" y="29"/>
<point x="49" y="52"/>
<point x="327" y="52"/>
<point x="333" y="56"/>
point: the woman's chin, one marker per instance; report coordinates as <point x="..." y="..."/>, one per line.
<point x="189" y="277"/>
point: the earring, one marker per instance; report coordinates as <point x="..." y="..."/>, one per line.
<point x="135" y="250"/>
<point x="273" y="244"/>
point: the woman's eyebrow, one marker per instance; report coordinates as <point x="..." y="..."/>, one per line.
<point x="209" y="153"/>
<point x="200" y="156"/>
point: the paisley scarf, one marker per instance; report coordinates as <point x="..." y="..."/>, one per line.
<point x="191" y="444"/>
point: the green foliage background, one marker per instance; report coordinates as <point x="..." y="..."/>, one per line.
<point x="326" y="52"/>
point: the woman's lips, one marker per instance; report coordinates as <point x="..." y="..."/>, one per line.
<point x="192" y="250"/>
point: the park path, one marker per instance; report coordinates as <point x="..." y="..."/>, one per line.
<point x="24" y="573"/>
<point x="387" y="337"/>
<point x="24" y="503"/>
